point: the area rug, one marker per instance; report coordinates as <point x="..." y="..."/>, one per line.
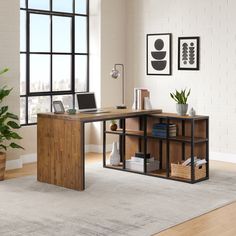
<point x="114" y="203"/>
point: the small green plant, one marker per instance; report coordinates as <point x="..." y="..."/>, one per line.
<point x="113" y="122"/>
<point x="181" y="97"/>
<point x="7" y="121"/>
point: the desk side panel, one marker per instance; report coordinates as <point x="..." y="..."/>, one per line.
<point x="60" y="160"/>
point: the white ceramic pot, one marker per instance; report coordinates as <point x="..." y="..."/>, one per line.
<point x="114" y="156"/>
<point x="182" y="109"/>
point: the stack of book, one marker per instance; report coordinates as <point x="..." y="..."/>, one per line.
<point x="136" y="163"/>
<point x="160" y="130"/>
<point x="139" y="95"/>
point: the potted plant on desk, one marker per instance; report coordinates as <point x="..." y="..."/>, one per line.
<point x="181" y="98"/>
<point x="7" y="126"/>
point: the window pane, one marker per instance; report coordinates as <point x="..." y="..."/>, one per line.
<point x="22" y="31"/>
<point x="22" y="110"/>
<point x="61" y="34"/>
<point x="80" y="73"/>
<point x="63" y="5"/>
<point x="39" y="33"/>
<point x="81" y="34"/>
<point x="81" y="6"/>
<point x="22" y="3"/>
<point x="39" y="4"/>
<point x="39" y="73"/>
<point x="61" y="72"/>
<point x="38" y="105"/>
<point x="22" y="74"/>
<point x="67" y="101"/>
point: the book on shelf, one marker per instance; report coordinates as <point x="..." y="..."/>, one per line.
<point x="139" y="95"/>
<point x="160" y="130"/>
<point x="138" y="165"/>
<point x="141" y="160"/>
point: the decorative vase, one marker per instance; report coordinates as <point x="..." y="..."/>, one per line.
<point x="2" y="165"/>
<point x="182" y="109"/>
<point x="147" y="103"/>
<point x="113" y="127"/>
<point x="192" y="112"/>
<point x="114" y="156"/>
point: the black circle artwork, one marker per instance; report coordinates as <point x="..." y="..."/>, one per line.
<point x="188" y="53"/>
<point x="159" y="63"/>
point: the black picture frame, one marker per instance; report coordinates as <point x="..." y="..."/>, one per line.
<point x="159" y="54"/>
<point x="185" y="60"/>
<point x="58" y="107"/>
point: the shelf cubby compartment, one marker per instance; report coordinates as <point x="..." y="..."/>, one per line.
<point x="192" y="139"/>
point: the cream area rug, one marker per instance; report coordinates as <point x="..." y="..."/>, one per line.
<point x="114" y="203"/>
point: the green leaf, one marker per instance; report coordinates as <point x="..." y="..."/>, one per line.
<point x="14" y="145"/>
<point x="4" y="93"/>
<point x="3" y="147"/>
<point x="3" y="110"/>
<point x="12" y="116"/>
<point x="13" y="124"/>
<point x="14" y="135"/>
<point x="4" y="71"/>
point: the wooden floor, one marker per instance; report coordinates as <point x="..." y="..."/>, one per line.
<point x="220" y="222"/>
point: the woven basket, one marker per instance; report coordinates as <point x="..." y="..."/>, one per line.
<point x="2" y="165"/>
<point x="177" y="170"/>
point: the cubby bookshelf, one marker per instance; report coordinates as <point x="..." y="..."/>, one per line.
<point x="192" y="139"/>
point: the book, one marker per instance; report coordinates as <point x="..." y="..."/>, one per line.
<point x="141" y="155"/>
<point x="142" y="160"/>
<point x="139" y="95"/>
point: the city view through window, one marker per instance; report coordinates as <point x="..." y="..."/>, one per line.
<point x="54" y="54"/>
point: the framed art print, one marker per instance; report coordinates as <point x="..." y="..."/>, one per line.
<point x="159" y="54"/>
<point x="58" y="107"/>
<point x="188" y="53"/>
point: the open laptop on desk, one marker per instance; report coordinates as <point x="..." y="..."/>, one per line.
<point x="87" y="103"/>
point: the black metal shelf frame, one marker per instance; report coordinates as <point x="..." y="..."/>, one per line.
<point x="144" y="137"/>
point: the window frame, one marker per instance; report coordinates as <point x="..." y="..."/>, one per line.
<point x="73" y="54"/>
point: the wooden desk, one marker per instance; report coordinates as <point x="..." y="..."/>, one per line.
<point x="60" y="142"/>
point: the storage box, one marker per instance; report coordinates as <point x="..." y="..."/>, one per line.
<point x="177" y="170"/>
<point x="138" y="165"/>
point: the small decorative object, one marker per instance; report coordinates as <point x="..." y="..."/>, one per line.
<point x="71" y="111"/>
<point x="147" y="103"/>
<point x="8" y="124"/>
<point x="113" y="125"/>
<point x="114" y="156"/>
<point x="192" y="112"/>
<point x="188" y="53"/>
<point x="181" y="98"/>
<point x="159" y="54"/>
<point x="58" y="107"/>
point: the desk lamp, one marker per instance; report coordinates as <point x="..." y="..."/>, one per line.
<point x="115" y="74"/>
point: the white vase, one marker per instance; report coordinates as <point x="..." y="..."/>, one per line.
<point x="114" y="156"/>
<point x="147" y="103"/>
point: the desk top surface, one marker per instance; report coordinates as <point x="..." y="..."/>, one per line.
<point x="112" y="113"/>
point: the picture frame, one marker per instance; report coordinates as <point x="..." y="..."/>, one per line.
<point x="58" y="107"/>
<point x="188" y="53"/>
<point x="159" y="54"/>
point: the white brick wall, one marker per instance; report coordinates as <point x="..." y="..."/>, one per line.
<point x="214" y="86"/>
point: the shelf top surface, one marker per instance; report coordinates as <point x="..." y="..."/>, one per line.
<point x="112" y="113"/>
<point x="176" y="116"/>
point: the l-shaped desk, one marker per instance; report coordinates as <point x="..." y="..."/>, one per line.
<point x="61" y="144"/>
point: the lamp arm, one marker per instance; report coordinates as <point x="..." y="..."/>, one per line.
<point x="123" y="80"/>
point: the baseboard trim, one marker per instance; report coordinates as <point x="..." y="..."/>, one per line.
<point x="32" y="157"/>
<point x="225" y="157"/>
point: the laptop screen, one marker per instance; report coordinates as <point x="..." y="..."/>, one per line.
<point x="86" y="101"/>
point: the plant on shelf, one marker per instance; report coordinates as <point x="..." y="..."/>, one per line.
<point x="181" y="97"/>
<point x="113" y="125"/>
<point x="8" y="125"/>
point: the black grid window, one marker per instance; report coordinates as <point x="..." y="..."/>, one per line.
<point x="54" y="54"/>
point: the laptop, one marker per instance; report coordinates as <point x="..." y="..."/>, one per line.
<point x="87" y="103"/>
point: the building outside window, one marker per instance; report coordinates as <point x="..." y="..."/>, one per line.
<point x="54" y="54"/>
